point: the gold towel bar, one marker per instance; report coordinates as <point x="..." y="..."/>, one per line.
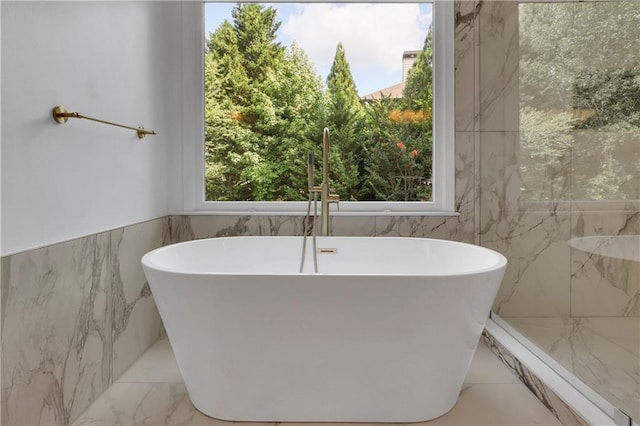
<point x="61" y="115"/>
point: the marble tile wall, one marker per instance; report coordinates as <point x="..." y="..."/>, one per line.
<point x="602" y="285"/>
<point x="75" y="315"/>
<point x="554" y="294"/>
<point x="545" y="276"/>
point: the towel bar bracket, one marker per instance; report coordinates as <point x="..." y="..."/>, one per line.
<point x="61" y="116"/>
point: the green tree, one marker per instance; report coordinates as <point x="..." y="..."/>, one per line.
<point x="399" y="158"/>
<point x="255" y="28"/>
<point x="400" y="137"/>
<point x="262" y="106"/>
<point x="418" y="91"/>
<point x="299" y="102"/>
<point x="345" y="118"/>
<point x="266" y="107"/>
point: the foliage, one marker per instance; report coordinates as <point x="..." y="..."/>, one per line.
<point x="545" y="139"/>
<point x="400" y="143"/>
<point x="266" y="107"/>
<point x="418" y="91"/>
<point x="399" y="153"/>
<point x="611" y="98"/>
<point x="345" y="117"/>
<point x="263" y="103"/>
<point x="579" y="100"/>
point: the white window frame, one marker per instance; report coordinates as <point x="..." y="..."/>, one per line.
<point x="193" y="164"/>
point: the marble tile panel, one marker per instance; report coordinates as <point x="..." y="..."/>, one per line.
<point x="486" y="368"/>
<point x="166" y="230"/>
<point x="76" y="314"/>
<point x="466" y="13"/>
<point x="498" y="66"/>
<point x="352" y="226"/>
<point x="496" y="404"/>
<point x="156" y="365"/>
<point x="136" y="322"/>
<point x="604" y="285"/>
<point x="156" y="404"/>
<point x="545" y="395"/>
<point x="282" y="225"/>
<point x="5" y="269"/>
<point x="623" y="332"/>
<point x="178" y="230"/>
<point x="499" y="181"/>
<point x="466" y="183"/>
<point x="537" y="279"/>
<point x="209" y="226"/>
<point x="447" y="228"/>
<point x="56" y="333"/>
<point x="594" y="352"/>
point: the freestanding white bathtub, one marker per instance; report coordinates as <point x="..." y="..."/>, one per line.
<point x="384" y="332"/>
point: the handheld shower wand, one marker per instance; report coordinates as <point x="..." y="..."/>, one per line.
<point x="313" y="195"/>
<point x="310" y="177"/>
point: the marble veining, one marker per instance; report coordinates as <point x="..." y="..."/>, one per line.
<point x="466" y="14"/>
<point x="498" y="67"/>
<point x="56" y="344"/>
<point x="604" y="285"/>
<point x="178" y="230"/>
<point x="67" y="308"/>
<point x="549" y="399"/>
<point x="602" y="352"/>
<point x="537" y="281"/>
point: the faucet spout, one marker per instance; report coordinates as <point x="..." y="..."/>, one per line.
<point x="326" y="196"/>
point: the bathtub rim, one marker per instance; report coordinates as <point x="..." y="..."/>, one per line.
<point x="147" y="262"/>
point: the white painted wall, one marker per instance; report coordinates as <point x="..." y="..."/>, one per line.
<point x="120" y="61"/>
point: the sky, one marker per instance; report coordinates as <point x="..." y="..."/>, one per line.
<point x="374" y="35"/>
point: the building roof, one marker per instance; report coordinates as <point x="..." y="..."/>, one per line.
<point x="393" y="92"/>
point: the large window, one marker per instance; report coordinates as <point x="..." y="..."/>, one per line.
<point x="378" y="76"/>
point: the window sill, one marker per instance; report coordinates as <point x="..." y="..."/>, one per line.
<point x="303" y="213"/>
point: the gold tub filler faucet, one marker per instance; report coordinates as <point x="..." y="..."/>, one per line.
<point x="326" y="197"/>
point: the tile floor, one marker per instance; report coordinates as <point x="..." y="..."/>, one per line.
<point x="151" y="392"/>
<point x="603" y="352"/>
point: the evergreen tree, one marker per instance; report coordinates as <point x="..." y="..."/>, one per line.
<point x="345" y="120"/>
<point x="400" y="138"/>
<point x="262" y="102"/>
<point x="418" y="91"/>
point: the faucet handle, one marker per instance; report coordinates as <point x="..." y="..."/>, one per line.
<point x="335" y="198"/>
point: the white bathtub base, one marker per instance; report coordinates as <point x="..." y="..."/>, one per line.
<point x="332" y="347"/>
<point x="307" y="349"/>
